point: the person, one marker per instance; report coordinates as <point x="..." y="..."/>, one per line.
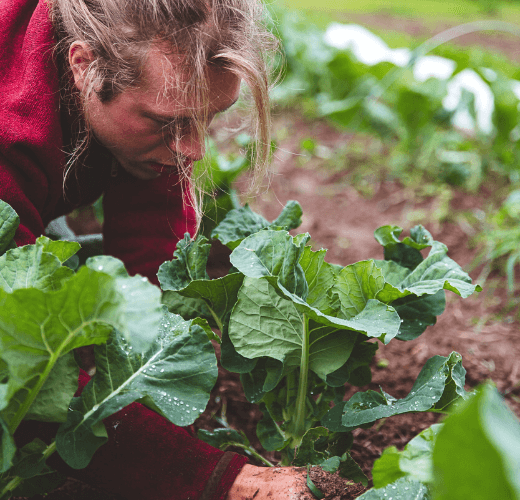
<point x="115" y="97"/>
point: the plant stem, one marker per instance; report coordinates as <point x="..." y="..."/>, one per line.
<point x="28" y="401"/>
<point x="216" y="318"/>
<point x="252" y="451"/>
<point x="17" y="480"/>
<point x="301" y="399"/>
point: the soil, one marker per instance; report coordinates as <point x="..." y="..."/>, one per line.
<point x="341" y="210"/>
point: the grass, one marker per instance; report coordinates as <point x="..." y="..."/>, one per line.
<point x="453" y="10"/>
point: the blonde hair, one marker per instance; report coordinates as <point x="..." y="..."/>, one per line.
<point x="227" y="34"/>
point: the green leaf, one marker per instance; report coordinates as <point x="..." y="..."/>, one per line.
<point x="9" y="222"/>
<point x="222" y="438"/>
<point x="402" y="489"/>
<point x="186" y="276"/>
<point x="31" y="267"/>
<point x="140" y="310"/>
<point x="272" y="253"/>
<point x="356" y="284"/>
<point x="480" y="443"/>
<point x="414" y="462"/>
<point x="361" y="357"/>
<point x="37" y="328"/>
<point x="52" y="402"/>
<point x="63" y="250"/>
<point x="417" y="313"/>
<point x="436" y="272"/>
<point x="320" y="276"/>
<point x="7" y="448"/>
<point x="290" y="217"/>
<point x="29" y="460"/>
<point x="242" y="222"/>
<point x="175" y="376"/>
<point x="306" y="453"/>
<point x="439" y="383"/>
<point x="189" y="263"/>
<point x="40" y="484"/>
<point x="350" y="469"/>
<point x="237" y="225"/>
<point x="265" y="324"/>
<point x="268" y="432"/>
<point x="186" y="307"/>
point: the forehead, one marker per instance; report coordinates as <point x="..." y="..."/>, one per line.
<point x="163" y="85"/>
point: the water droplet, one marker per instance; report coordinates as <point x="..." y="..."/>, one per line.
<point x="162" y="370"/>
<point x="194" y="409"/>
<point x="100" y="268"/>
<point x="144" y="280"/>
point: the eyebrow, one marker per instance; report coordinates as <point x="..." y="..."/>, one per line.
<point x="168" y="119"/>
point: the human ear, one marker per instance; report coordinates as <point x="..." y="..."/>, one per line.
<point x="80" y="58"/>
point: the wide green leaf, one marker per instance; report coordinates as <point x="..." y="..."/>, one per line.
<point x="174" y="376"/>
<point x="402" y="489"/>
<point x="140" y="310"/>
<point x="185" y="277"/>
<point x="9" y="222"/>
<point x="237" y="225"/>
<point x="477" y="452"/>
<point x="31" y="266"/>
<point x="436" y="272"/>
<point x="272" y="253"/>
<point x="356" y="284"/>
<point x="242" y="222"/>
<point x="52" y="402"/>
<point x="37" y="328"/>
<point x="263" y="323"/>
<point x="320" y="276"/>
<point x="414" y="462"/>
<point x="439" y="383"/>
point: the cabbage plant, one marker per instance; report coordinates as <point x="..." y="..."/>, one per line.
<point x="298" y="328"/>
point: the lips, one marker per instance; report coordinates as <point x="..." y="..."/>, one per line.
<point x="161" y="168"/>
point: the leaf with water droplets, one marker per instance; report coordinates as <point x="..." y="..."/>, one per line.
<point x="439" y="383"/>
<point x="174" y="377"/>
<point x="402" y="489"/>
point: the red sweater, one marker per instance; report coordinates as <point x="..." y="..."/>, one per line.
<point x="146" y="456"/>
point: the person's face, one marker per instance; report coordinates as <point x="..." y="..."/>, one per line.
<point x="133" y="125"/>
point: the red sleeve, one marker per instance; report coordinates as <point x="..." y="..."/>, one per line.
<point x="144" y="220"/>
<point x="145" y="457"/>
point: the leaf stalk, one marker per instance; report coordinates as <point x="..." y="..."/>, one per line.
<point x="301" y="398"/>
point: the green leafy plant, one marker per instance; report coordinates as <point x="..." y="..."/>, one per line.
<point x="474" y="453"/>
<point x="143" y="353"/>
<point x="501" y="240"/>
<point x="297" y="328"/>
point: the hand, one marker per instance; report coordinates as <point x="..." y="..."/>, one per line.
<point x="270" y="483"/>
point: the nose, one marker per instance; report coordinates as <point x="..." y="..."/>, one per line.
<point x="187" y="143"/>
